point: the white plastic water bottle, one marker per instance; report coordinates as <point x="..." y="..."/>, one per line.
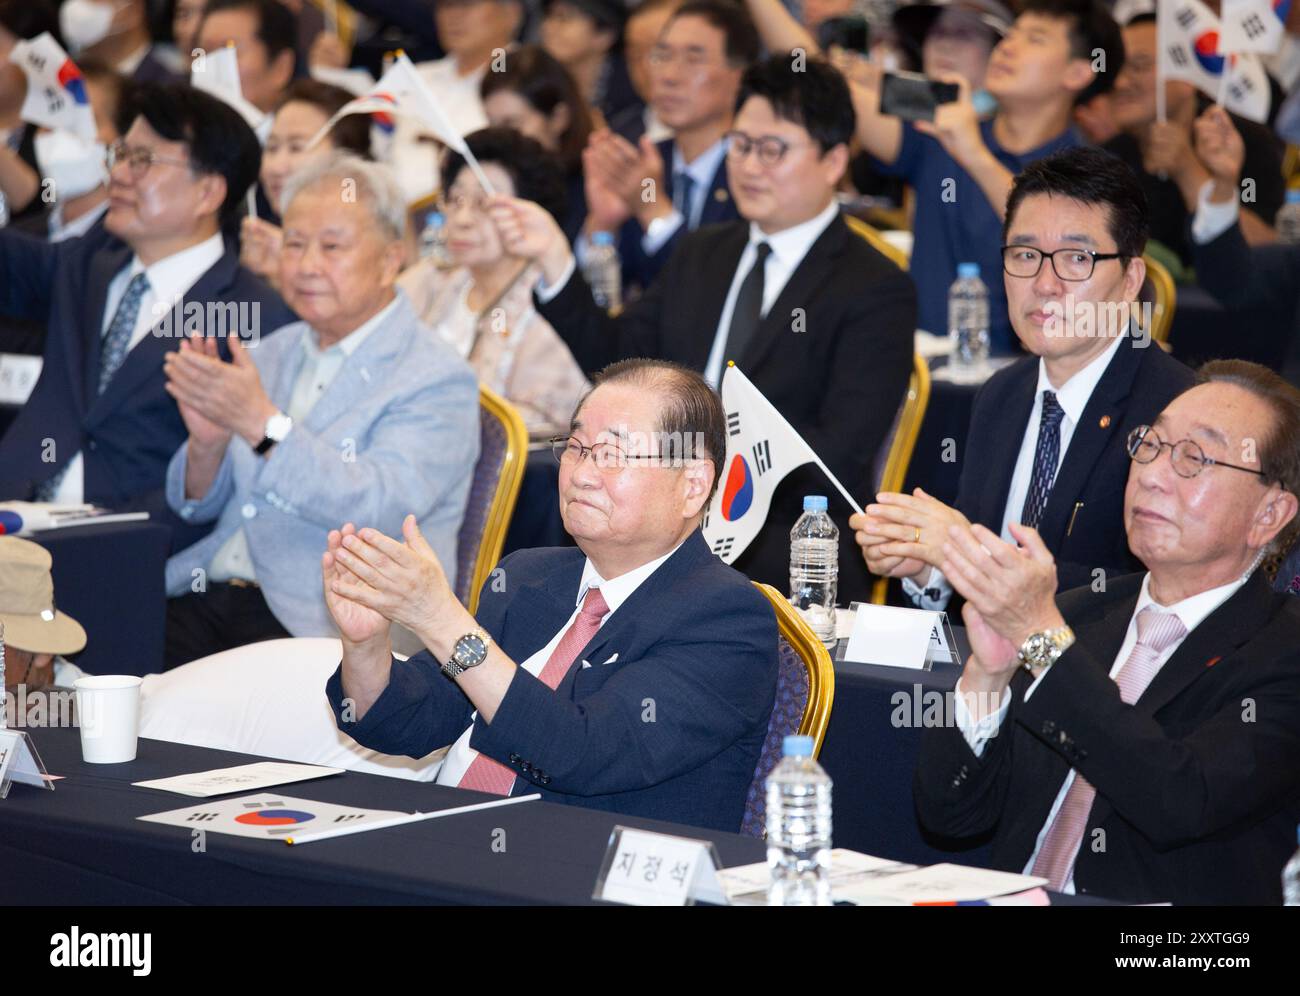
<point x="815" y="567"/>
<point x="1288" y="219"/>
<point x="603" y="271"/>
<point x="1291" y="878"/>
<point x="798" y="828"/>
<point x="433" y="239"/>
<point x="968" y="325"/>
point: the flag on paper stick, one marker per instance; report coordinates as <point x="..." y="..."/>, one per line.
<point x="217" y="73"/>
<point x="401" y="91"/>
<point x="1253" y="25"/>
<point x="56" y="91"/>
<point x="1190" y="51"/>
<point x="762" y="448"/>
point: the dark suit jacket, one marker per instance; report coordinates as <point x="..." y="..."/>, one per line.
<point x="640" y="268"/>
<point x="128" y="434"/>
<point x="1260" y="277"/>
<point x="1198" y="782"/>
<point x="1136" y="386"/>
<point x="838" y="376"/>
<point x="695" y="642"/>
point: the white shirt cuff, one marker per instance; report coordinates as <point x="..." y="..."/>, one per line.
<point x="978" y="734"/>
<point x="933" y="596"/>
<point x="659" y="231"/>
<point x="1212" y="218"/>
<point x="545" y="292"/>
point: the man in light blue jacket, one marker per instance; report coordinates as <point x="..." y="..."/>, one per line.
<point x="357" y="413"/>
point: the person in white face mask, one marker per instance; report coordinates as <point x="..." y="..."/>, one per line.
<point x="116" y="31"/>
<point x="70" y="182"/>
<point x="19" y="20"/>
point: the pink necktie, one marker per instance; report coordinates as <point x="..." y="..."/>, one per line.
<point x="1157" y="631"/>
<point x="486" y="774"/>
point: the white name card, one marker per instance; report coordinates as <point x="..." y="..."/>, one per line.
<point x="18" y="376"/>
<point x="642" y="868"/>
<point x="19" y="762"/>
<point x="898" y="637"/>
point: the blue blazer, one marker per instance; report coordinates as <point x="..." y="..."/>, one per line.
<point x="127" y="434"/>
<point x="395" y="432"/>
<point x="1083" y="523"/>
<point x="696" y="649"/>
<point x="639" y="267"/>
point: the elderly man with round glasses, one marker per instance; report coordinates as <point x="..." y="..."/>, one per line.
<point x="1141" y="739"/>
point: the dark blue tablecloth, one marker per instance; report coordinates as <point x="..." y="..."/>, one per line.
<point x="110" y="579"/>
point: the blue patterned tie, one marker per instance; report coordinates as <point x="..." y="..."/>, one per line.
<point x="117" y="340"/>
<point x="113" y="350"/>
<point x="1045" y="457"/>
<point x="683" y="185"/>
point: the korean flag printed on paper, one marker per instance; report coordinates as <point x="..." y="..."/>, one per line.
<point x="56" y="90"/>
<point x="1190" y="50"/>
<point x="1253" y="25"/>
<point x="266" y="817"/>
<point x="762" y="449"/>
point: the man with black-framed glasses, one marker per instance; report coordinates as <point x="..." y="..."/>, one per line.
<point x="1141" y="741"/>
<point x="1046" y="440"/>
<point x="99" y="426"/>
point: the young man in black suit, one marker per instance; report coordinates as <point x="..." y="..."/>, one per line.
<point x="1141" y="742"/>
<point x="1046" y="434"/>
<point x="820" y="322"/>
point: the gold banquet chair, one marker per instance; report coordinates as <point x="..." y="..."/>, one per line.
<point x="805" y="689"/>
<point x="498" y="475"/>
<point x="1159" y="291"/>
<point x="876" y="239"/>
<point x="896" y="452"/>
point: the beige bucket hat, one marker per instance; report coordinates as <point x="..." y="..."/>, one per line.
<point x="27" y="612"/>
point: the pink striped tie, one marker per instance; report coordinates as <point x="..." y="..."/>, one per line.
<point x="1157" y="631"/>
<point x="486" y="774"/>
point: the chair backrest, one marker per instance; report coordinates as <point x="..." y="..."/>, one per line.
<point x="878" y="242"/>
<point x="1159" y="291"/>
<point x="805" y="689"/>
<point x="895" y="455"/>
<point x="498" y="475"/>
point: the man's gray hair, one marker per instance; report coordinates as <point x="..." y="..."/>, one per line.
<point x="370" y="183"/>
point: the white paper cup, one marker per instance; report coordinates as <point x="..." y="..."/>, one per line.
<point x="108" y="710"/>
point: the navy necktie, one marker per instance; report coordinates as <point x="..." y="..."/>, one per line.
<point x="1045" y="457"/>
<point x="683" y="185"/>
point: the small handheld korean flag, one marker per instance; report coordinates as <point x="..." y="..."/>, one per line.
<point x="56" y="91"/>
<point x="1190" y="50"/>
<point x="401" y="91"/>
<point x="217" y="73"/>
<point x="762" y="448"/>
<point x="1253" y="25"/>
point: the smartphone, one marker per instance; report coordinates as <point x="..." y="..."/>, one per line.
<point x="850" y="33"/>
<point x="913" y="97"/>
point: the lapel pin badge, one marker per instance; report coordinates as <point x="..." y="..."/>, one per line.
<point x="720" y="195"/>
<point x="1105" y="422"/>
<point x="1213" y="660"/>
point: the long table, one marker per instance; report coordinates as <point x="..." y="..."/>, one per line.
<point x="82" y="844"/>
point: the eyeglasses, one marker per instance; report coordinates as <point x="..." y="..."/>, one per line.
<point x="771" y="150"/>
<point x="138" y="159"/>
<point x="1186" y="455"/>
<point x="1067" y="264"/>
<point x="606" y="456"/>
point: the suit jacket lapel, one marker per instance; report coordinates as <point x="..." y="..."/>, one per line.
<point x="145" y="360"/>
<point x="799" y="292"/>
<point x="1090" y="440"/>
<point x="705" y="304"/>
<point x="1002" y="459"/>
<point x="104" y="266"/>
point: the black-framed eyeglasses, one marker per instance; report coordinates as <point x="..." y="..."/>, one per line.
<point x="1068" y="264"/>
<point x="1186" y="455"/>
<point x="138" y="159"/>
<point x="607" y="457"/>
<point x="771" y="150"/>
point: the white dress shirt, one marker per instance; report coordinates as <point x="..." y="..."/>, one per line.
<point x="1073" y="397"/>
<point x="61" y="231"/>
<point x="789" y="247"/>
<point x="616" y="591"/>
<point x="319" y="368"/>
<point x="169" y="280"/>
<point x="1192" y="611"/>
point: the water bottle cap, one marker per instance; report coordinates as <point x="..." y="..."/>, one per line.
<point x="436" y="218"/>
<point x="1293" y="196"/>
<point x="965" y="270"/>
<point x="796" y="746"/>
<point x="602" y="238"/>
<point x="814" y="503"/>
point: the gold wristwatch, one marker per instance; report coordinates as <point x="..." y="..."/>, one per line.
<point x="1041" y="649"/>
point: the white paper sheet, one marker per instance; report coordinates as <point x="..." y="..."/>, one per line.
<point x="241" y="778"/>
